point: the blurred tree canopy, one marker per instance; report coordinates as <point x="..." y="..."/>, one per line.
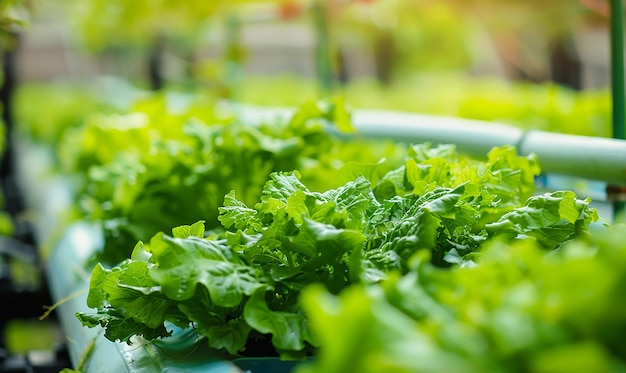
<point x="14" y="14"/>
<point x="401" y="36"/>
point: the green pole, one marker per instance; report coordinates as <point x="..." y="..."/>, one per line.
<point x="234" y="57"/>
<point x="323" y="59"/>
<point x="617" y="69"/>
<point x="617" y="80"/>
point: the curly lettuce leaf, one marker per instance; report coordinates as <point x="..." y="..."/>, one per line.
<point x="246" y="281"/>
<point x="167" y="164"/>
<point x="516" y="310"/>
<point x="289" y="330"/>
<point x="552" y="219"/>
<point x="123" y="329"/>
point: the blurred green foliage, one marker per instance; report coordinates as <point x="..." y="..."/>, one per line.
<point x="101" y="23"/>
<point x="399" y="36"/>
<point x="14" y="15"/>
<point x="22" y="336"/>
<point x="545" y="106"/>
<point x="44" y="111"/>
<point x="517" y="310"/>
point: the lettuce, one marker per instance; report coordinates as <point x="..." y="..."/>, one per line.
<point x="517" y="310"/>
<point x="243" y="284"/>
<point x="169" y="162"/>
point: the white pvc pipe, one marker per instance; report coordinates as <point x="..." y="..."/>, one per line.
<point x="470" y="136"/>
<point x="588" y="157"/>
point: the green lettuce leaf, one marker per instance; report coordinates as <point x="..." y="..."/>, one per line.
<point x="243" y="283"/>
<point x="289" y="330"/>
<point x="516" y="310"/>
<point x="552" y="219"/>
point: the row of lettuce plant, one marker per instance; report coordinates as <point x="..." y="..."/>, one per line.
<point x="285" y="236"/>
<point x="171" y="159"/>
<point x="546" y="107"/>
<point x="240" y="286"/>
<point x="520" y="309"/>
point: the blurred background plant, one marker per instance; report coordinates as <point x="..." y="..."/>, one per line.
<point x="365" y="49"/>
<point x="14" y="15"/>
